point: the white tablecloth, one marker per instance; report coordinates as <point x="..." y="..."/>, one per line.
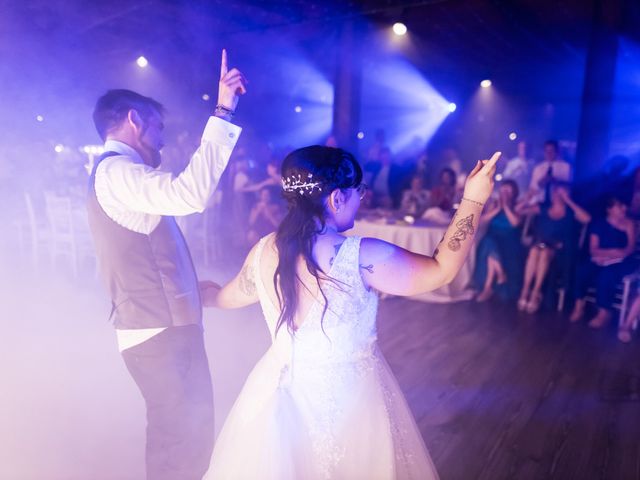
<point x="423" y="240"/>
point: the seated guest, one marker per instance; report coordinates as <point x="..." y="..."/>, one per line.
<point x="264" y="218"/>
<point x="384" y="179"/>
<point x="444" y="193"/>
<point x="611" y="243"/>
<point x="553" y="228"/>
<point x="499" y="258"/>
<point x="452" y="161"/>
<point x="422" y="168"/>
<point x="415" y="200"/>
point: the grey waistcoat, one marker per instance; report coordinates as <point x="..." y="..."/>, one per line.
<point x="151" y="278"/>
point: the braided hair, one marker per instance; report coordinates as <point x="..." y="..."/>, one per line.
<point x="309" y="175"/>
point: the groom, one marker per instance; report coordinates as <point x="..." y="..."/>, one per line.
<point x="146" y="265"/>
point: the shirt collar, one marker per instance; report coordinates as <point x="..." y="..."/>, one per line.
<point x="123" y="149"/>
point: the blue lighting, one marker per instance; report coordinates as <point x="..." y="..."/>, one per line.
<point x="398" y="98"/>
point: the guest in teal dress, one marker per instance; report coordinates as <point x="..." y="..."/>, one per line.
<point x="500" y="256"/>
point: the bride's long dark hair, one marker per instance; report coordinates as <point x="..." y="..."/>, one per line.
<point x="309" y="176"/>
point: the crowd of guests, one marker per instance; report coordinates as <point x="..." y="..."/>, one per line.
<point x="540" y="245"/>
<point x="544" y="241"/>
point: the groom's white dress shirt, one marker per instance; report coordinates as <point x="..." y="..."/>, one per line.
<point x="136" y="196"/>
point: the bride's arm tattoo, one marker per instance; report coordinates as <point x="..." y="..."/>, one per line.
<point x="247" y="283"/>
<point x="368" y="268"/>
<point x="464" y="229"/>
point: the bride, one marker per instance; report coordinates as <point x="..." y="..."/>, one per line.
<point x="322" y="402"/>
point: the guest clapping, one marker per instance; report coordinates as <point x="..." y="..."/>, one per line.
<point x="553" y="227"/>
<point x="415" y="200"/>
<point x="499" y="254"/>
<point x="444" y="193"/>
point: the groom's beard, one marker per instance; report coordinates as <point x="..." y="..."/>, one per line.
<point x="156" y="159"/>
<point x="152" y="156"/>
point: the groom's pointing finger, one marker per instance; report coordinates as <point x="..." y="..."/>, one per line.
<point x="223" y="64"/>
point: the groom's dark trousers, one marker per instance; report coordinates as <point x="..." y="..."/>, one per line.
<point x="172" y="372"/>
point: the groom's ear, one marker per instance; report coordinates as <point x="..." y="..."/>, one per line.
<point x="134" y="119"/>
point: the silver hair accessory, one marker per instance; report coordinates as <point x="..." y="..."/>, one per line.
<point x="295" y="183"/>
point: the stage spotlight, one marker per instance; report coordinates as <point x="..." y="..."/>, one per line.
<point x="360" y="135"/>
<point x="39" y="118"/>
<point x="399" y="29"/>
<point x="142" y="62"/>
<point x="298" y="109"/>
<point x="452" y="107"/>
<point x="397" y="91"/>
<point x="59" y="148"/>
<point x="498" y="177"/>
<point x="485" y="83"/>
<point x="206" y="97"/>
<point x="513" y="136"/>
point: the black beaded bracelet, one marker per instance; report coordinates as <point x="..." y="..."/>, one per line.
<point x="473" y="201"/>
<point x="224" y="110"/>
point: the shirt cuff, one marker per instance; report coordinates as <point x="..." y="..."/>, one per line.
<point x="221" y="132"/>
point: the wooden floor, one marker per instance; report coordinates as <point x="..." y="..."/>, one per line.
<point x="500" y="394"/>
<point x="497" y="394"/>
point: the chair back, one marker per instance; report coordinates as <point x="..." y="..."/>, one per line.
<point x="526" y="237"/>
<point x="60" y="216"/>
<point x="31" y="213"/>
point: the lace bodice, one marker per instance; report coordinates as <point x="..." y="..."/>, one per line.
<point x="348" y="329"/>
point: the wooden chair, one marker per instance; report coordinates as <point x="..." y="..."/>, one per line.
<point x="624" y="288"/>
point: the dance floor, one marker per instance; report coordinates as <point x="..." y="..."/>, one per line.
<point x="500" y="394"/>
<point x="497" y="394"/>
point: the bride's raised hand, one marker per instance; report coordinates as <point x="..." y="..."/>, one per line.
<point x="480" y="181"/>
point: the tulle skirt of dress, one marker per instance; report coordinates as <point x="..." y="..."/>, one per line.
<point x="338" y="422"/>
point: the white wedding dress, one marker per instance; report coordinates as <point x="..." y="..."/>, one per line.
<point x="323" y="403"/>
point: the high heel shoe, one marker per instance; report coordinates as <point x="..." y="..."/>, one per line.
<point x="576" y="315"/>
<point x="522" y="304"/>
<point x="600" y="320"/>
<point x="624" y="334"/>
<point x="484" y="296"/>
<point x="534" y="304"/>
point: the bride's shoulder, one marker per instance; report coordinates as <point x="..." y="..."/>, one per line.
<point x="266" y="248"/>
<point x="375" y="248"/>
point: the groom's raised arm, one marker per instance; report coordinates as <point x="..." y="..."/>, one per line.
<point x="144" y="189"/>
